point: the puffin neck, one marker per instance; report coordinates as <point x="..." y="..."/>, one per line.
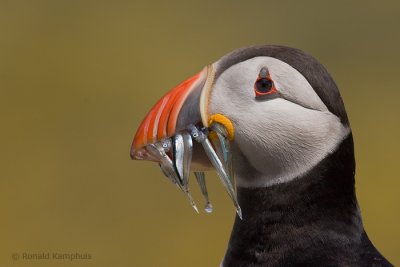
<point x="298" y="217"/>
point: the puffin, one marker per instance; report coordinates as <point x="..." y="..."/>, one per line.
<point x="270" y="120"/>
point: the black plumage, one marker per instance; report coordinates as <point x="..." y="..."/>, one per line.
<point x="312" y="221"/>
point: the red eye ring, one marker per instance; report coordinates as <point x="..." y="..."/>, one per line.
<point x="264" y="85"/>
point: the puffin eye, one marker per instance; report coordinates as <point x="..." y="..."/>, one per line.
<point x="264" y="84"/>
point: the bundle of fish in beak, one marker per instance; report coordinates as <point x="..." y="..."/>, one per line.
<point x="174" y="156"/>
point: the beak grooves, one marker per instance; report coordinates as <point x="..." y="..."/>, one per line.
<point x="160" y="122"/>
<point x="205" y="93"/>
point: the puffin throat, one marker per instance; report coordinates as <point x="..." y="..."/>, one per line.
<point x="317" y="209"/>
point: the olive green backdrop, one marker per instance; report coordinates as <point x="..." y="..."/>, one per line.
<point x="77" y="77"/>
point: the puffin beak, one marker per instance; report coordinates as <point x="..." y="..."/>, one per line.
<point x="175" y="134"/>
<point x="173" y="113"/>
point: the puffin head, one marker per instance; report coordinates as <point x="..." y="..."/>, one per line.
<point x="263" y="114"/>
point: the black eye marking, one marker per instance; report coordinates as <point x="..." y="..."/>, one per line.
<point x="264" y="73"/>
<point x="264" y="85"/>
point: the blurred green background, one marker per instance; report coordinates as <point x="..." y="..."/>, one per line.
<point x="77" y="77"/>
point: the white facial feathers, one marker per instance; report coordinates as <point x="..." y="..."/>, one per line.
<point x="279" y="139"/>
